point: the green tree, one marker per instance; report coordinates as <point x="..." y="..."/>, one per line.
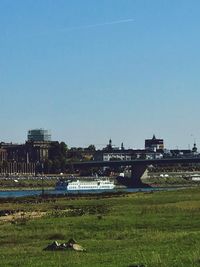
<point x="91" y="148"/>
<point x="58" y="156"/>
<point x="48" y="166"/>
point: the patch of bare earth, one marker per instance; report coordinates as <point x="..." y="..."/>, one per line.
<point x="19" y="215"/>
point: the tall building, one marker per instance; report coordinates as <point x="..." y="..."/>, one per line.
<point x="38" y="144"/>
<point x="3" y="155"/>
<point x="154" y="144"/>
<point x="40" y="135"/>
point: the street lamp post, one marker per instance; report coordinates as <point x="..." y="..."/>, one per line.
<point x="42" y="169"/>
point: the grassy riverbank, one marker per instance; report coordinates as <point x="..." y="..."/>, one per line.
<point x="27" y="183"/>
<point x="169" y="181"/>
<point x="158" y="229"/>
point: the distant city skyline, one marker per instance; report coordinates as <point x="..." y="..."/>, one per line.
<point x="46" y="135"/>
<point x="94" y="70"/>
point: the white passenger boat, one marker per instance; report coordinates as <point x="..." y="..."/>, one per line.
<point x="85" y="185"/>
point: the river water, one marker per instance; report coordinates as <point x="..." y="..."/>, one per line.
<point x="24" y="193"/>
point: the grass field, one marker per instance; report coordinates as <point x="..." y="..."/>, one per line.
<point x="158" y="229"/>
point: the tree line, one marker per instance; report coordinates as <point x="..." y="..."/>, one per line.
<point x="60" y="155"/>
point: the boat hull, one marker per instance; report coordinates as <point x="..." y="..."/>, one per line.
<point x="85" y="185"/>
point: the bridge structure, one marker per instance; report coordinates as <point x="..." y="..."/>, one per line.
<point x="138" y="167"/>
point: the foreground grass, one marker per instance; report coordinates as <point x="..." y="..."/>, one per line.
<point x="159" y="229"/>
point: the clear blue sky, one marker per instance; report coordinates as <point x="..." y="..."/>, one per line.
<point x="98" y="69"/>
